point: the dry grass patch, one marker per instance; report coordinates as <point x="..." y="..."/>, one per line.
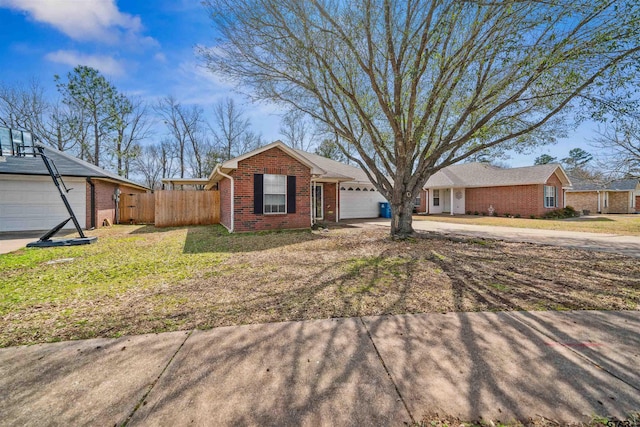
<point x="140" y="280"/>
<point x="614" y="224"/>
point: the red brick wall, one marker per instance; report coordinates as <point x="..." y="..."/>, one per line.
<point x="330" y="204"/>
<point x="525" y="200"/>
<point x="225" y="202"/>
<point x="424" y="198"/>
<point x="272" y="161"/>
<point x="105" y="206"/>
<point x="637" y="203"/>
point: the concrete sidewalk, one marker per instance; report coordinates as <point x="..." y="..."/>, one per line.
<point x="624" y="245"/>
<point x="387" y="370"/>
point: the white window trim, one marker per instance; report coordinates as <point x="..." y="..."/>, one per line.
<point x="434" y="197"/>
<point x="264" y="194"/>
<point x="545" y="197"/>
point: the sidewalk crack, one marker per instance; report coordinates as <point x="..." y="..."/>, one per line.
<point x="384" y="365"/>
<point x="153" y="384"/>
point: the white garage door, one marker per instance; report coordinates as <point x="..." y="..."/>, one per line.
<point x="358" y="201"/>
<point x="33" y="203"/>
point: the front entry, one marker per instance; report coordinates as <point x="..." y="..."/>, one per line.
<point x="446" y="194"/>
<point x="318" y="201"/>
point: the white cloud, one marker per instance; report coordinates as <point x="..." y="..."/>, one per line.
<point x="160" y="57"/>
<point x="105" y="64"/>
<point x="80" y="19"/>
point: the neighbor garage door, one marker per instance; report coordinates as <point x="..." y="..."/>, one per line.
<point x="359" y="201"/>
<point x="33" y="202"/>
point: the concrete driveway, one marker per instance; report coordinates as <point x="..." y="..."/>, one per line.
<point x="13" y="240"/>
<point x="625" y="245"/>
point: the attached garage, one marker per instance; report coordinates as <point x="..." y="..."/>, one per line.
<point x="359" y="201"/>
<point x="33" y="203"/>
<point x="30" y="201"/>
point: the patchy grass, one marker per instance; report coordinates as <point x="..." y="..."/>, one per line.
<point x="613" y="224"/>
<point x="138" y="279"/>
<point x="436" y="420"/>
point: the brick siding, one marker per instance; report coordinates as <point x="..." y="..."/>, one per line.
<point x="424" y="198"/>
<point x="330" y="203"/>
<point x="272" y="161"/>
<point x="105" y="206"/>
<point x="225" y="202"/>
<point x="637" y="203"/>
<point x="525" y="200"/>
<point x="583" y="200"/>
<point x="619" y="202"/>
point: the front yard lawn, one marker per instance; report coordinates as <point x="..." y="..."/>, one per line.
<point x="138" y="279"/>
<point x="628" y="225"/>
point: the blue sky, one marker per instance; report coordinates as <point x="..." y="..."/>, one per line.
<point x="146" y="48"/>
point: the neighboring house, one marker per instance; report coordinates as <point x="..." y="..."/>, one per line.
<point x="29" y="199"/>
<point x="482" y="188"/>
<point x="277" y="187"/>
<point x="620" y="196"/>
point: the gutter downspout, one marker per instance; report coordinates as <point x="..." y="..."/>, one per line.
<point x="233" y="214"/>
<point x="92" y="202"/>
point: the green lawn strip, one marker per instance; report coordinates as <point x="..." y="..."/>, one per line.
<point x="105" y="269"/>
<point x="611" y="224"/>
<point x="140" y="280"/>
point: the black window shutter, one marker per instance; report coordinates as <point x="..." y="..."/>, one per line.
<point x="291" y="194"/>
<point x="258" y="193"/>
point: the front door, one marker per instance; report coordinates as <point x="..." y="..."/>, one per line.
<point x="318" y="201"/>
<point x="446" y="206"/>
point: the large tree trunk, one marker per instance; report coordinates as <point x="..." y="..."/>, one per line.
<point x="401" y="219"/>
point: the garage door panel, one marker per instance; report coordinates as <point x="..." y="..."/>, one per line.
<point x="359" y="204"/>
<point x="33" y="203"/>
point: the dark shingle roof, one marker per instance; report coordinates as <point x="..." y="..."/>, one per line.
<point x="67" y="166"/>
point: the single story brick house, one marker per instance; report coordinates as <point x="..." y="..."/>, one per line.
<point x="278" y="187"/>
<point x="482" y="188"/>
<point x="29" y="199"/>
<point x="619" y="196"/>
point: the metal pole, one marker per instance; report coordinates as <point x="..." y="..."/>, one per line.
<point x="62" y="195"/>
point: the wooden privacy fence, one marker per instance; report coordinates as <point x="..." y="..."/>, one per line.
<point x="168" y="208"/>
<point x="137" y="208"/>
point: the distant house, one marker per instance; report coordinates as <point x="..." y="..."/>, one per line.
<point x="278" y="187"/>
<point x="30" y="201"/>
<point x="619" y="196"/>
<point x="482" y="188"/>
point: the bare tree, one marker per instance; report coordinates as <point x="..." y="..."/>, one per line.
<point x="168" y="109"/>
<point x="427" y="82"/>
<point x="619" y="148"/>
<point x="232" y="130"/>
<point x="150" y="164"/>
<point x="131" y="125"/>
<point x="297" y="131"/>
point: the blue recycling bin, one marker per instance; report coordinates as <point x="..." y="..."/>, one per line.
<point x="385" y="210"/>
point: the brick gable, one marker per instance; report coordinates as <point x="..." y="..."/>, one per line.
<point x="272" y="161"/>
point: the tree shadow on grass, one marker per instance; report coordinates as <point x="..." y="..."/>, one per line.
<point x="208" y="239"/>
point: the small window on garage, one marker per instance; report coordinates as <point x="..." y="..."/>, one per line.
<point x="436" y="197"/>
